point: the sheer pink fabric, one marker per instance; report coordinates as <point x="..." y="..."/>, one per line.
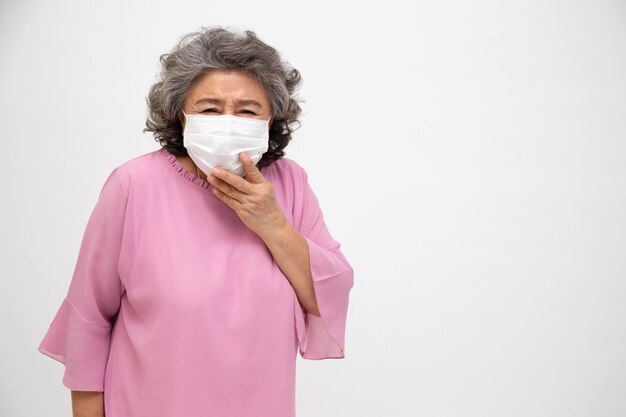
<point x="175" y="308"/>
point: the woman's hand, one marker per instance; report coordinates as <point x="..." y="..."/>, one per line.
<point x="252" y="197"/>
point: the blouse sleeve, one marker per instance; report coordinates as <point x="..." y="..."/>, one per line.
<point x="79" y="333"/>
<point x="333" y="277"/>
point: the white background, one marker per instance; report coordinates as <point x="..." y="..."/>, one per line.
<point x="469" y="156"/>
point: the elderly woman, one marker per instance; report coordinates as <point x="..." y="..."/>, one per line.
<point x="206" y="264"/>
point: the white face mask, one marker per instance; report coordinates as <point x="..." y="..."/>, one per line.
<point x="217" y="140"/>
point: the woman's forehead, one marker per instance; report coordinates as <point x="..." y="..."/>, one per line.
<point x="216" y="86"/>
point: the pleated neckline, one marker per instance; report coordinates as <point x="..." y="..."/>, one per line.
<point x="183" y="172"/>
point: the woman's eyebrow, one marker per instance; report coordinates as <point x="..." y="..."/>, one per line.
<point x="246" y="102"/>
<point x="241" y="102"/>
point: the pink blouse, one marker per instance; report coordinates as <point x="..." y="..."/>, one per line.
<point x="177" y="309"/>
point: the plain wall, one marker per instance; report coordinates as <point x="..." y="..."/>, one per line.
<point x="469" y="156"/>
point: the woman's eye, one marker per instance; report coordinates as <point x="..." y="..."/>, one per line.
<point x="207" y="110"/>
<point x="248" y="111"/>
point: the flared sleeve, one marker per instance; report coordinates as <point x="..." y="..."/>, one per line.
<point x="333" y="277"/>
<point x="79" y="334"/>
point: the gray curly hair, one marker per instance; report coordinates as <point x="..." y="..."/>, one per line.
<point x="219" y="48"/>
